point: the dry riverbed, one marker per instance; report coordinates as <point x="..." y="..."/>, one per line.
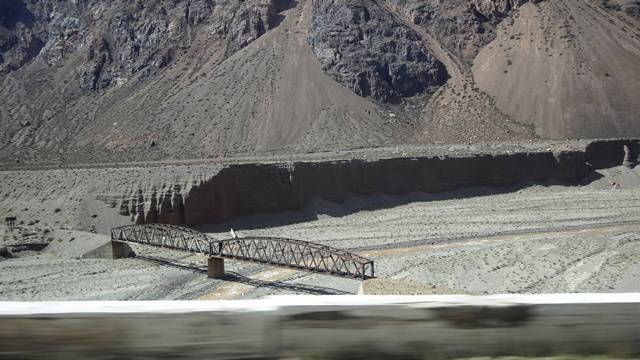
<point x="525" y="239"/>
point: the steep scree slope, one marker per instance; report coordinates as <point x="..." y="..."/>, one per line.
<point x="571" y="68"/>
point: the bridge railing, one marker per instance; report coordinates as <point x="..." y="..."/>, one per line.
<point x="326" y="327"/>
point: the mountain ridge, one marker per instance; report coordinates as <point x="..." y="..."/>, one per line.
<point x="130" y="81"/>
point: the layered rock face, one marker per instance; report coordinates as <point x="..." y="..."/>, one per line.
<point x="241" y="190"/>
<point x="364" y="48"/>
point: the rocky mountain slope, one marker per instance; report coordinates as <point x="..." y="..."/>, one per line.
<point x="138" y="80"/>
<point x="580" y="63"/>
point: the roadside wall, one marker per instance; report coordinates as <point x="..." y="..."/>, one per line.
<point x="329" y="327"/>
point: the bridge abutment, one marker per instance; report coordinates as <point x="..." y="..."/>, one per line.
<point x="110" y="250"/>
<point x="215" y="268"/>
<point x="119" y="250"/>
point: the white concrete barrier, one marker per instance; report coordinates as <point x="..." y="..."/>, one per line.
<point x="325" y="327"/>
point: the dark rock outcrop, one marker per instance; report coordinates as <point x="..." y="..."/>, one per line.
<point x="114" y="40"/>
<point x="20" y="38"/>
<point x="462" y="26"/>
<point x="497" y="8"/>
<point x="366" y="49"/>
<point x="252" y="20"/>
<point x="633" y="9"/>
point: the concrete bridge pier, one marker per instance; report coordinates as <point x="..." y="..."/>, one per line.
<point x="215" y="268"/>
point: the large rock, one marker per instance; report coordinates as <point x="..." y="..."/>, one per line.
<point x="365" y="48"/>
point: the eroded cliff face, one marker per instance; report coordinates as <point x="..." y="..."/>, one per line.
<point x="241" y="190"/>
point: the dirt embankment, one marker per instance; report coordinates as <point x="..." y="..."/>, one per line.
<point x="245" y="189"/>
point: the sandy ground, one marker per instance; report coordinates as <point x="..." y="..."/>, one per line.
<point x="526" y="239"/>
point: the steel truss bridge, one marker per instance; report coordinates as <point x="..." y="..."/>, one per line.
<point x="296" y="254"/>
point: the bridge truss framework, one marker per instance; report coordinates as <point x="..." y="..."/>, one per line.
<point x="296" y="254"/>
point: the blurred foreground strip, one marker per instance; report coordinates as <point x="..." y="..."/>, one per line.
<point x="325" y="327"/>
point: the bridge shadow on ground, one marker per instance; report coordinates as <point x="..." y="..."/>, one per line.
<point x="232" y="276"/>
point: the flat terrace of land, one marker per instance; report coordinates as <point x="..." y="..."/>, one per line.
<point x="528" y="238"/>
<point x="459" y="150"/>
